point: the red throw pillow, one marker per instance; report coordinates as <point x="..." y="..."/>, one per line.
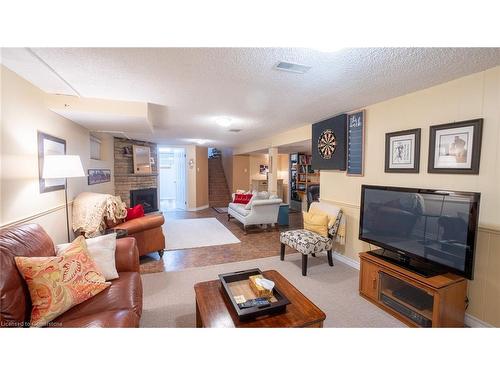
<point x="135" y="212"/>
<point x="242" y="198"/>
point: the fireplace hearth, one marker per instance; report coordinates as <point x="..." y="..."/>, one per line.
<point x="148" y="198"/>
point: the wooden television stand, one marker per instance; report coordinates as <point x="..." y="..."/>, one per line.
<point x="437" y="301"/>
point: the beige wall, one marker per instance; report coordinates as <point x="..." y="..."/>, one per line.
<point x="237" y="170"/>
<point x="470" y="97"/>
<point x="24" y="111"/>
<point x="255" y="162"/>
<point x="197" y="177"/>
<point x="302" y="133"/>
<point x="283" y="174"/>
<point x="241" y="173"/>
<point x="201" y="176"/>
<point x="191" y="177"/>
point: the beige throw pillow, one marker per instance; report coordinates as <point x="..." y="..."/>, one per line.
<point x="102" y="250"/>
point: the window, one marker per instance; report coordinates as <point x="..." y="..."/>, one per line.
<point x="95" y="148"/>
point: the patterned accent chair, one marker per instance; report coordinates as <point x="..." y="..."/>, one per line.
<point x="307" y="242"/>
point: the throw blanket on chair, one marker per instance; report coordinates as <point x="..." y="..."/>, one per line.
<point x="91" y="209"/>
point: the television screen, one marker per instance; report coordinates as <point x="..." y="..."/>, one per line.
<point x="431" y="225"/>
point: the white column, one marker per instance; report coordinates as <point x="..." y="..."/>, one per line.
<point x="272" y="186"/>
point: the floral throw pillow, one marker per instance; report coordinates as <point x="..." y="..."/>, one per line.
<point x="58" y="283"/>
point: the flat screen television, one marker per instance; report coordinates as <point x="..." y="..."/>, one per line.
<point x="425" y="230"/>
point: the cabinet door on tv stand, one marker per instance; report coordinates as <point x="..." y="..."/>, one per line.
<point x="369" y="280"/>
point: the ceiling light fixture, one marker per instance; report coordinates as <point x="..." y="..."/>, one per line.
<point x="225" y="122"/>
<point x="201" y="141"/>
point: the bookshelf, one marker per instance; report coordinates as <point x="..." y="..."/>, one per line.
<point x="301" y="176"/>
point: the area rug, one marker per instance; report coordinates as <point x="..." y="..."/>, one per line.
<point x="193" y="233"/>
<point x="220" y="210"/>
<point x="169" y="296"/>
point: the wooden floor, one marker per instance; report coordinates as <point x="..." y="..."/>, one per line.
<point x="257" y="243"/>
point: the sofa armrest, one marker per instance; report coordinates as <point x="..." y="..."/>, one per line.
<point x="141" y="223"/>
<point x="127" y="255"/>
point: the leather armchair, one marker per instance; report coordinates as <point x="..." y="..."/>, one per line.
<point x="147" y="231"/>
<point x="120" y="305"/>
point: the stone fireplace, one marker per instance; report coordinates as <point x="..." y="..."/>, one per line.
<point x="148" y="198"/>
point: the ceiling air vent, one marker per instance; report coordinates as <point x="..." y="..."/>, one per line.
<point x="291" y="67"/>
<point x="235" y="130"/>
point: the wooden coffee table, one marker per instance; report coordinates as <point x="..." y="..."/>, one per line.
<point x="213" y="309"/>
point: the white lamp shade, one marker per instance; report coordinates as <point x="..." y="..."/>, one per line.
<point x="62" y="166"/>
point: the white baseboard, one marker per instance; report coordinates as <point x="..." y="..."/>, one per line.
<point x="470" y="321"/>
<point x="473" y="322"/>
<point x="198" y="208"/>
<point x="346" y="260"/>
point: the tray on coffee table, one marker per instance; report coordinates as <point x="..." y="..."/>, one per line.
<point x="237" y="283"/>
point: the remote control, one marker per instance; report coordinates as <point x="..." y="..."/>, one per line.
<point x="257" y="302"/>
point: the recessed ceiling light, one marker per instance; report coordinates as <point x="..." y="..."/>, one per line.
<point x="201" y="141"/>
<point x="225" y="122"/>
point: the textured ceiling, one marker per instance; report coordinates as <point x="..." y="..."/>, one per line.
<point x="191" y="86"/>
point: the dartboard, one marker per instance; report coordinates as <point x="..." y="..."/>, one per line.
<point x="327" y="144"/>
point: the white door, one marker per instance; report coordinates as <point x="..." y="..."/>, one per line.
<point x="172" y="178"/>
<point x="180" y="177"/>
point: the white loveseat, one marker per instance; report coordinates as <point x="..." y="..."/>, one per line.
<point x="257" y="212"/>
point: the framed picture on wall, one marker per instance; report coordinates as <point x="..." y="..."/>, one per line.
<point x="402" y="151"/>
<point x="455" y="148"/>
<point x="49" y="145"/>
<point x="99" y="176"/>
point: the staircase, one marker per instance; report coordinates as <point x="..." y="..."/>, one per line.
<point x="218" y="192"/>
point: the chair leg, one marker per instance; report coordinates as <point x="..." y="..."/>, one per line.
<point x="160" y="253"/>
<point x="245" y="229"/>
<point x="304" y="264"/>
<point x="330" y="258"/>
<point x="282" y="253"/>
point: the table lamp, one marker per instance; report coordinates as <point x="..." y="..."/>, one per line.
<point x="63" y="166"/>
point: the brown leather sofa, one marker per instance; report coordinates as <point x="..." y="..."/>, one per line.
<point x="147" y="231"/>
<point x="120" y="305"/>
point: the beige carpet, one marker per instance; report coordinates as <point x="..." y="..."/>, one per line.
<point x="169" y="296"/>
<point x="193" y="233"/>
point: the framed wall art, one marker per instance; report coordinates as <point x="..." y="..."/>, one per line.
<point x="49" y="145"/>
<point x="402" y="151"/>
<point x="455" y="148"/>
<point x="355" y="143"/>
<point x="99" y="176"/>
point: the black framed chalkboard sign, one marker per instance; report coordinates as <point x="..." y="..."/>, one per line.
<point x="355" y="143"/>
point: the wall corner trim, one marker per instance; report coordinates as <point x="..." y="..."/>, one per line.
<point x="346" y="260"/>
<point x="473" y="322"/>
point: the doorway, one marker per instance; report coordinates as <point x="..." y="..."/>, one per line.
<point x="172" y="179"/>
